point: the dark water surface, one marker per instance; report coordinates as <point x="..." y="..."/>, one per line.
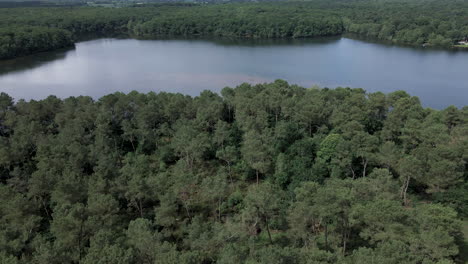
<point x="99" y="67"/>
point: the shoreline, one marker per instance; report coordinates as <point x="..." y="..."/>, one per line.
<point x="121" y="35"/>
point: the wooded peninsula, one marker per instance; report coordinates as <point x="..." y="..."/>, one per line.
<point x="30" y="30"/>
<point x="267" y="173"/>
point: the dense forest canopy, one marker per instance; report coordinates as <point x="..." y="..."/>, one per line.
<point x="435" y="23"/>
<point x="271" y="173"/>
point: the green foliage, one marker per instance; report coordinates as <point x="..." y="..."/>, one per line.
<point x="25" y="31"/>
<point x="327" y="148"/>
<point x="270" y="173"/>
<point x="456" y="197"/>
<point x="23" y="40"/>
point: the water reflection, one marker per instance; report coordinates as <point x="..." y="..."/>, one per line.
<point x="244" y="42"/>
<point x="34" y="61"/>
<point x="99" y="67"/>
<point x="390" y="44"/>
<point x="275" y="42"/>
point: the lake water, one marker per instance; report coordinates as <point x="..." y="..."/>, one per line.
<point x="99" y="67"/>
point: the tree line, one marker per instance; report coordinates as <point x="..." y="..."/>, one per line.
<point x="433" y="23"/>
<point x="20" y="41"/>
<point x="267" y="173"/>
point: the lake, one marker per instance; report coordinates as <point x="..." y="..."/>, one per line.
<point x="99" y="67"/>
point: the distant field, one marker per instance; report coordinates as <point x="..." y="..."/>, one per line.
<point x="34" y="3"/>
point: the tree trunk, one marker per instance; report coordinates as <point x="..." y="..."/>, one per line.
<point x="268" y="229"/>
<point x="140" y="208"/>
<point x="352" y="171"/>
<point x="79" y="239"/>
<point x="364" y="161"/>
<point x="257" y="176"/>
<point x="326" y="237"/>
<point x="219" y="210"/>
<point x="344" y="247"/>
<point x="346" y="232"/>
<point x="404" y="190"/>
<point x="187" y="211"/>
<point x="229" y="171"/>
<point x="133" y="146"/>
<point x="45" y="208"/>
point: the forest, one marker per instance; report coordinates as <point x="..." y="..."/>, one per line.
<point x="417" y="22"/>
<point x="267" y="173"/>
